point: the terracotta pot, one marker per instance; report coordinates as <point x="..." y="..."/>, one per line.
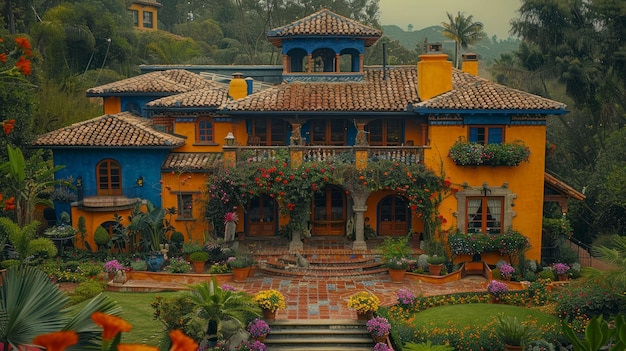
<point x="382" y="339"/>
<point x="365" y="316"/>
<point x="397" y="275"/>
<point x="435" y="269"/>
<point x="261" y="338"/>
<point x="251" y="271"/>
<point x="495" y="300"/>
<point x="240" y="275"/>
<point x="198" y="266"/>
<point x="513" y="348"/>
<point x="562" y="277"/>
<point x="269" y="315"/>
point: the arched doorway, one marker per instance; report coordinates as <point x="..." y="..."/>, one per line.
<point x="393" y="216"/>
<point x="329" y="212"/>
<point x="262" y="219"/>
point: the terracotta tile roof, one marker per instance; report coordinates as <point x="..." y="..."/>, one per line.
<point x="119" y="130"/>
<point x="212" y="97"/>
<point x="324" y="23"/>
<point x="470" y="92"/>
<point x="189" y="161"/>
<point x="373" y="94"/>
<point x="561" y="187"/>
<point x="147" y="2"/>
<point x="397" y="92"/>
<point x="168" y="82"/>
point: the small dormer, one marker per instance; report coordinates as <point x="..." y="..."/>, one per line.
<point x="144" y="14"/>
<point x="323" y="47"/>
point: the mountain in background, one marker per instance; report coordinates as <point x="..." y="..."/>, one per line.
<point x="489" y="49"/>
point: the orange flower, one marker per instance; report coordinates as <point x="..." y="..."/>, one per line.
<point x="181" y="342"/>
<point x="3" y="57"/>
<point x="23" y="65"/>
<point x="23" y="43"/>
<point x="136" y="347"/>
<point x="112" y="325"/>
<point x="57" y="341"/>
<point x="9" y="205"/>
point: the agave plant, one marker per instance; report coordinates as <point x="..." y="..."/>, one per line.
<point x="32" y="305"/>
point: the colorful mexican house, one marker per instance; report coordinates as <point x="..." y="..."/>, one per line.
<point x="164" y="134"/>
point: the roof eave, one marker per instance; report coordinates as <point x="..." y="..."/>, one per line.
<point x="430" y="111"/>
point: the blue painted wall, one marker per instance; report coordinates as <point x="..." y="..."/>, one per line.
<point x="136" y="104"/>
<point x="311" y="44"/>
<point x="135" y="163"/>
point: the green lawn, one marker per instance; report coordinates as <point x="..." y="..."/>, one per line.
<point x="137" y="311"/>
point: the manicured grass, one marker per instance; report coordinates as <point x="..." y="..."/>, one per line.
<point x="137" y="311"/>
<point x="478" y="314"/>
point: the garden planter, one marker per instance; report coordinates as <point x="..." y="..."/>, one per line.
<point x="562" y="277"/>
<point x="240" y="275"/>
<point x="496" y="300"/>
<point x="365" y="316"/>
<point x="435" y="269"/>
<point x="155" y="262"/>
<point x="382" y="339"/>
<point x="198" y="266"/>
<point x="397" y="275"/>
<point x="269" y="315"/>
<point x="251" y="271"/>
<point x="261" y="338"/>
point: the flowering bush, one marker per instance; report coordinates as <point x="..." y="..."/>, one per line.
<point x="506" y="270"/>
<point x="497" y="288"/>
<point x="250" y="345"/>
<point x="257" y="328"/>
<point x="378" y="326"/>
<point x="406" y="298"/>
<point x="510" y="243"/>
<point x="112" y="266"/>
<point x="381" y="346"/>
<point x="363" y="302"/>
<point x="560" y="268"/>
<point x="179" y="265"/>
<point x="474" y="154"/>
<point x="270" y="300"/>
<point x="397" y="263"/>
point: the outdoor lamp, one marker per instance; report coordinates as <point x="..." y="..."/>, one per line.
<point x="140" y="181"/>
<point x="230" y="139"/>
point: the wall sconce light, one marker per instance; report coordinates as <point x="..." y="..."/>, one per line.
<point x="79" y="182"/>
<point x="230" y="139"/>
<point x="140" y="181"/>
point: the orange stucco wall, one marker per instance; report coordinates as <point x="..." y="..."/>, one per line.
<point x="525" y="180"/>
<point x="140" y="8"/>
<point x="220" y="130"/>
<point x="195" y="229"/>
<point x="92" y="221"/>
<point x="112" y="105"/>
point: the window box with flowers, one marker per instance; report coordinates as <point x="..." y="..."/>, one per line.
<point x="379" y="328"/>
<point x="476" y="154"/>
<point x="270" y="301"/>
<point x="364" y="303"/>
<point x="510" y="243"/>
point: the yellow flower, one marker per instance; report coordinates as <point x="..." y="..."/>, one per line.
<point x="270" y="300"/>
<point x="111" y="325"/>
<point x="363" y="302"/>
<point x="57" y="341"/>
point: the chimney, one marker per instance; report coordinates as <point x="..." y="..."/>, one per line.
<point x="434" y="72"/>
<point x="238" y="87"/>
<point x="469" y="63"/>
<point x="250" y="85"/>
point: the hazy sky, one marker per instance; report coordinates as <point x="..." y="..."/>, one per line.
<point x="495" y="14"/>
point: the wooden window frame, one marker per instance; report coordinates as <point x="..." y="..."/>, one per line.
<point x="483" y="209"/>
<point x="485" y="139"/>
<point x="182" y="212"/>
<point x="112" y="187"/>
<point x="199" y="129"/>
<point x="384" y="132"/>
<point x="150" y="15"/>
<point x="269" y="137"/>
<point x="134" y="16"/>
<point x="328" y="132"/>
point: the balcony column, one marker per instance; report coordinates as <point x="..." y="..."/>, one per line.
<point x="230" y="156"/>
<point x="424" y="129"/>
<point x="296" y="150"/>
<point x="310" y="68"/>
<point x="286" y="64"/>
<point x="337" y="63"/>
<point x="359" y="228"/>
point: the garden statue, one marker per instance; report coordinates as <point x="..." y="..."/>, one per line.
<point x="230" y="226"/>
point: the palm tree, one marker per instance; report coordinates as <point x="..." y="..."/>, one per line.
<point x="225" y="311"/>
<point x="616" y="256"/>
<point x="31" y="305"/>
<point x="463" y="31"/>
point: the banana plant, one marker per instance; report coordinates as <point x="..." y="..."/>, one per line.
<point x="599" y="334"/>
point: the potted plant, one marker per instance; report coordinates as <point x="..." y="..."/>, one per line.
<point x="189" y="248"/>
<point x="258" y="329"/>
<point x="560" y="269"/>
<point x="249" y="345"/>
<point x="241" y="266"/>
<point x="270" y="301"/>
<point x="379" y="328"/>
<point x="506" y="271"/>
<point x="381" y="346"/>
<point x="496" y="289"/>
<point x="513" y="333"/>
<point x="435" y="264"/>
<point x="397" y="268"/>
<point x="364" y="303"/>
<point x="179" y="265"/>
<point x="198" y="259"/>
<point x="111" y="267"/>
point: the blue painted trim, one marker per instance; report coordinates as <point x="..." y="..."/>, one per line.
<point x="435" y="111"/>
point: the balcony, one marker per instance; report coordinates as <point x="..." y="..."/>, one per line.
<point x="342" y="154"/>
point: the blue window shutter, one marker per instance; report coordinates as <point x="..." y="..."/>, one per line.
<point x="495" y="136"/>
<point x="473" y="135"/>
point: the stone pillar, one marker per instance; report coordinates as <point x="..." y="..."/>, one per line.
<point x="361" y="62"/>
<point x="359" y="228"/>
<point x="310" y="68"/>
<point x="337" y="63"/>
<point x="286" y="64"/>
<point x="296" y="243"/>
<point x="295" y="156"/>
<point x="230" y="156"/>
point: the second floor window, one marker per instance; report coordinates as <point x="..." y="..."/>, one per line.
<point x="134" y="16"/>
<point x="384" y="132"/>
<point x="204" y="130"/>
<point x="484" y="214"/>
<point x="328" y="132"/>
<point x="270" y="132"/>
<point x="147" y="19"/>
<point x="109" y="178"/>
<point x="486" y="135"/>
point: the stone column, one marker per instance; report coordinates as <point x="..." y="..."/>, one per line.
<point x="359" y="227"/>
<point x="296" y="243"/>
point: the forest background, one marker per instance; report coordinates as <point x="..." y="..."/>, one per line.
<point x="572" y="51"/>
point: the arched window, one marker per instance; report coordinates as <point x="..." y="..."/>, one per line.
<point x="109" y="177"/>
<point x="204" y="130"/>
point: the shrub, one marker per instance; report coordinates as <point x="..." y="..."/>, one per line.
<point x="219" y="268"/>
<point x="199" y="256"/>
<point x="512" y="332"/>
<point x="87" y="290"/>
<point x="9" y="263"/>
<point x="101" y="236"/>
<point x="42" y="247"/>
<point x="138" y="265"/>
<point x="179" y="265"/>
<point x="547" y="274"/>
<point x="588" y="299"/>
<point x="406" y="298"/>
<point x="474" y="154"/>
<point x="90" y="268"/>
<point x="175" y="312"/>
<point x="437" y="260"/>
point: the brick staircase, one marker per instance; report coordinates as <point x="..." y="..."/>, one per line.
<point x="319" y="335"/>
<point x="325" y="266"/>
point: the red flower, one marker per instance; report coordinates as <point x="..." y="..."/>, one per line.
<point x="23" y="65"/>
<point x="23" y="43"/>
<point x="3" y="57"/>
<point x="446" y="183"/>
<point x="9" y="205"/>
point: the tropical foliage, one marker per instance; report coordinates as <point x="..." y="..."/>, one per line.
<point x="464" y="31"/>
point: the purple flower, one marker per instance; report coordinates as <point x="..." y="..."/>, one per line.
<point x="381" y="346"/>
<point x="406" y="297"/>
<point x="496" y="288"/>
<point x="378" y="326"/>
<point x="112" y="266"/>
<point x="251" y="346"/>
<point x="258" y="327"/>
<point x="227" y="287"/>
<point x="560" y="268"/>
<point x="506" y="270"/>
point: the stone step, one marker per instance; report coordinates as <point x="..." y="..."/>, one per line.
<point x="325" y="266"/>
<point x="302" y="273"/>
<point x="318" y="335"/>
